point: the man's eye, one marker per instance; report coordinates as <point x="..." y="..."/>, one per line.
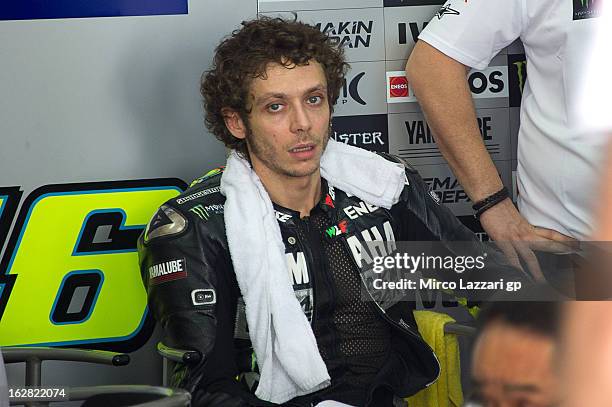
<point x="315" y="100"/>
<point x="274" y="107"/>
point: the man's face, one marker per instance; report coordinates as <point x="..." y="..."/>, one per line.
<point x="288" y="127"/>
<point x="512" y="367"/>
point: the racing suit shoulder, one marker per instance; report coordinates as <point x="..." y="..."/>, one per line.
<point x="187" y="272"/>
<point x="196" y="211"/>
<point x="192" y="292"/>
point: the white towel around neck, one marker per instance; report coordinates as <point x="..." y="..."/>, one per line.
<point x="285" y="346"/>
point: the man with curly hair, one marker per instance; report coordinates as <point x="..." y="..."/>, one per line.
<point x="257" y="266"/>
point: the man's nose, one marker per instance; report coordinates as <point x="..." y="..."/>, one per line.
<point x="300" y="120"/>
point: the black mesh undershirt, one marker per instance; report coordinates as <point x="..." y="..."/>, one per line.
<point x="353" y="339"/>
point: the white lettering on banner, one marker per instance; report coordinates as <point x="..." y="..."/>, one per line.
<point x="353" y="212"/>
<point x="168" y="267"/>
<point x="215" y="208"/>
<point x="374" y="137"/>
<point x="332" y="193"/>
<point x="198" y="195"/>
<point x="448" y="190"/>
<point x="283" y="217"/>
<point x="391" y="92"/>
<point x="380" y="247"/>
<point x="297" y="268"/>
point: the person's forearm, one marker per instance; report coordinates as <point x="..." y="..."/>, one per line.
<point x="441" y="87"/>
<point x="603" y="230"/>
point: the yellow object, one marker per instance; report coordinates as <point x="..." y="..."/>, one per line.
<point x="446" y="391"/>
<point x="46" y="255"/>
<point x="474" y="310"/>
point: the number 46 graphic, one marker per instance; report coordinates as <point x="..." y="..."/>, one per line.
<point x="69" y="274"/>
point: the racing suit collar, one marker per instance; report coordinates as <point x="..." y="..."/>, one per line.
<point x="326" y="201"/>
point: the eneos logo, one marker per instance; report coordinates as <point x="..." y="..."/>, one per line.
<point x="398" y="87"/>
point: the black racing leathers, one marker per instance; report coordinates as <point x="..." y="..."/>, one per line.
<point x="193" y="293"/>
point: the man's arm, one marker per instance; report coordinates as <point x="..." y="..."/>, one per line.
<point x="440" y="84"/>
<point x="189" y="293"/>
<point x="604" y="230"/>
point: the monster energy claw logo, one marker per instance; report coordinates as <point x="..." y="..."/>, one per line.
<point x="519" y="70"/>
<point x="204" y="212"/>
<point x="200" y="211"/>
<point x="584" y="9"/>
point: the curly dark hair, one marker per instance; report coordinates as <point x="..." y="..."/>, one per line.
<point x="244" y="56"/>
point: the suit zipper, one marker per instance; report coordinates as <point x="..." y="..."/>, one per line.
<point x="315" y="239"/>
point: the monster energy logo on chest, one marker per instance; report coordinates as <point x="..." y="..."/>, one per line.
<point x="586" y="9"/>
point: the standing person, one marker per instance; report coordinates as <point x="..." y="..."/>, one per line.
<point x="586" y="360"/>
<point x="257" y="266"/>
<point x="558" y="164"/>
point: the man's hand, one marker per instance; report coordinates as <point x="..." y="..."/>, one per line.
<point x="439" y="82"/>
<point x="517" y="238"/>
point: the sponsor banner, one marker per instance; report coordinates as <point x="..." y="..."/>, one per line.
<point x="398" y="89"/>
<point x="359" y="31"/>
<point x="584" y="9"/>
<point x="489" y="83"/>
<point x="517" y="76"/>
<point x="361" y="93"/>
<point x="489" y="87"/>
<point x="440" y="178"/>
<point x="412" y="139"/>
<point x="204" y="212"/>
<point x="395" y="103"/>
<point x="368" y="131"/>
<point x="46" y="9"/>
<point x="264" y="6"/>
<point x="403" y="26"/>
<point x="167" y="271"/>
<point x="198" y="194"/>
<point x="402" y="3"/>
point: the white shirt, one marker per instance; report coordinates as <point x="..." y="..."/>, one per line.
<point x="558" y="164"/>
<point x="594" y="108"/>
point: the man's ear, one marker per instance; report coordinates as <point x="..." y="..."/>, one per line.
<point x="234" y="122"/>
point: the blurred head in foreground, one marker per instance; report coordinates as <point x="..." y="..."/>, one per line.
<point x="512" y="362"/>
